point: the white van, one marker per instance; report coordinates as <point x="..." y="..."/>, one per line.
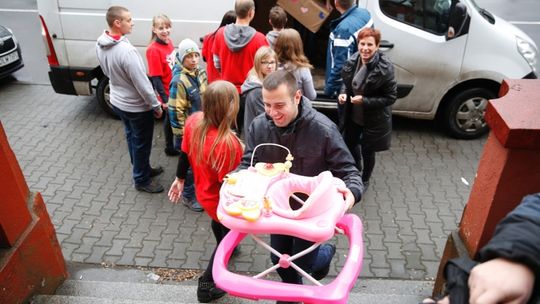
<point x="450" y="55"/>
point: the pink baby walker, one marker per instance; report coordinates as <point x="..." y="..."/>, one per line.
<point x="255" y="201"/>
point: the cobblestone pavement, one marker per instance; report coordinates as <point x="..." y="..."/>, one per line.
<point x="76" y="156"/>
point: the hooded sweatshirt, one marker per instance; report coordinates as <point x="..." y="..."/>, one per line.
<point x="253" y="102"/>
<point x="131" y="91"/>
<point x="271" y="37"/>
<point x="234" y="49"/>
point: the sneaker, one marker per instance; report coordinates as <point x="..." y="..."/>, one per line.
<point x="156" y="171"/>
<point x="152" y="187"/>
<point x="171" y="152"/>
<point x="208" y="291"/>
<point x="192" y="204"/>
<point x="330" y="252"/>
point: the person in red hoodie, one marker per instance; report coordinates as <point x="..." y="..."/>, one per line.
<point x="235" y="45"/>
<point x="208" y="43"/>
<point x="234" y="48"/>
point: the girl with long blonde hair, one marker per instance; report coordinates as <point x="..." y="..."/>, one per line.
<point x="212" y="149"/>
<point x="264" y="63"/>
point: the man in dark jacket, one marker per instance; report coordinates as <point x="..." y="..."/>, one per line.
<point x="509" y="269"/>
<point x="315" y="144"/>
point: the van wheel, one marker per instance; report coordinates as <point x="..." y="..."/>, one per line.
<point x="463" y="115"/>
<point x="103" y="96"/>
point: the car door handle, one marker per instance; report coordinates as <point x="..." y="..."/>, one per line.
<point x="385" y="44"/>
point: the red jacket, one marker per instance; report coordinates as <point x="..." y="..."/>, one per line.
<point x="207" y="180"/>
<point x="207" y="44"/>
<point x="236" y="65"/>
<point x="160" y="59"/>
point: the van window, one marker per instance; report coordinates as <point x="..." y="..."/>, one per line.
<point x="429" y="15"/>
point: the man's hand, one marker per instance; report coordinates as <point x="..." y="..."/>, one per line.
<point x="158" y="112"/>
<point x="348" y="196"/>
<point x="175" y="192"/>
<point x="500" y="281"/>
<point x="342" y="98"/>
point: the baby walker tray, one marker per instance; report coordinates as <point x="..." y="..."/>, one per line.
<point x="256" y="201"/>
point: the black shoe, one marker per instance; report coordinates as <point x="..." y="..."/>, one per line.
<point x="285" y="302"/>
<point x="207" y="292"/>
<point x="322" y="273"/>
<point x="156" y="171"/>
<point x="152" y="187"/>
<point x="192" y="204"/>
<point x="171" y="152"/>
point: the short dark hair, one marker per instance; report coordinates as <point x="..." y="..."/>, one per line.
<point x="370" y="32"/>
<point x="242" y="8"/>
<point x="345" y="4"/>
<point x="115" y="13"/>
<point x="228" y="18"/>
<point x="278" y="17"/>
<point x="279" y="77"/>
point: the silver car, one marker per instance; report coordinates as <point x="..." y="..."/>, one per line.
<point x="10" y="53"/>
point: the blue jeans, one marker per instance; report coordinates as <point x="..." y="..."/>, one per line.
<point x="189" y="187"/>
<point x="139" y="129"/>
<point x="291" y="245"/>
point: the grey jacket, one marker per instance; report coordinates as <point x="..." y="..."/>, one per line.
<point x="315" y="144"/>
<point x="131" y="91"/>
<point x="253" y="102"/>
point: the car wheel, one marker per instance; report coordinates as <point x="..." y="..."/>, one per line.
<point x="103" y="96"/>
<point x="463" y="115"/>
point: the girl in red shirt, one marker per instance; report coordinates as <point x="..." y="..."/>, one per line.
<point x="160" y="57"/>
<point x="213" y="150"/>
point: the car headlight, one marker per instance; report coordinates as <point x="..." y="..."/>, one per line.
<point x="528" y="51"/>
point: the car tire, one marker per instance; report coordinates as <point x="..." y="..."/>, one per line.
<point x="103" y="96"/>
<point x="463" y="115"/>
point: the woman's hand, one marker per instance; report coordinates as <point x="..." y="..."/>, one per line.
<point x="342" y="98"/>
<point x="175" y="192"/>
<point x="358" y="99"/>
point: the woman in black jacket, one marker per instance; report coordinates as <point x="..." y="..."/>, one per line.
<point x="368" y="91"/>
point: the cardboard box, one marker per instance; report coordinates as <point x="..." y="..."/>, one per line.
<point x="311" y="13"/>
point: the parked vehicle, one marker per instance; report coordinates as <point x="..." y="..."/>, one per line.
<point x="450" y="55"/>
<point x="10" y="53"/>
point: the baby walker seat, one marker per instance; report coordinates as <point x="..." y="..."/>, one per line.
<point x="257" y="201"/>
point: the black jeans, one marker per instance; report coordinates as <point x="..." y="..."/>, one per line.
<point x="219" y="233"/>
<point x="363" y="156"/>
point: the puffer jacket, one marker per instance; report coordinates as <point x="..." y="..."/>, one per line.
<point x="314" y="142"/>
<point x="380" y="92"/>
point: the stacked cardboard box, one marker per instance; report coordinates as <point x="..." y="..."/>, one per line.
<point x="311" y="13"/>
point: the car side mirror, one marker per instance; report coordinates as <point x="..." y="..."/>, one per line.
<point x="457" y="22"/>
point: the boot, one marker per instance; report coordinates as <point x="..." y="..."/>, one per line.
<point x="207" y="291"/>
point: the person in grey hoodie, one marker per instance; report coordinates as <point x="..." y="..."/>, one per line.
<point x="265" y="62"/>
<point x="234" y="48"/>
<point x="132" y="96"/>
<point x="277" y="19"/>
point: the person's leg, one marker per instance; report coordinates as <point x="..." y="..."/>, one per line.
<point x="207" y="290"/>
<point x="352" y="137"/>
<point x="284" y="245"/>
<point x="369" y="163"/>
<point x="168" y="135"/>
<point x="142" y="126"/>
<point x="127" y="131"/>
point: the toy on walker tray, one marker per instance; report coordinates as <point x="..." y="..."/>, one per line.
<point x="257" y="201"/>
